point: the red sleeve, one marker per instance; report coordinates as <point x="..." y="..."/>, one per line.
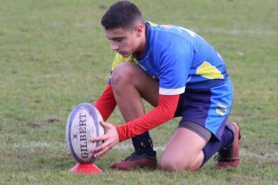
<point x="167" y="105"/>
<point x="106" y="103"/>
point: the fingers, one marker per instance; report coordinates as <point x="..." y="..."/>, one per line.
<point x="101" y="150"/>
<point x="102" y="123"/>
<point x="99" y="138"/>
<point x="105" y="124"/>
<point x="110" y="139"/>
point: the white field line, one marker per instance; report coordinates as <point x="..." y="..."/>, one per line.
<point x="31" y="145"/>
<point x="120" y="146"/>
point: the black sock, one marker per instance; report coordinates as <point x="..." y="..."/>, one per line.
<point x="214" y="146"/>
<point x="143" y="143"/>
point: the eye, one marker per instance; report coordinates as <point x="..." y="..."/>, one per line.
<point x="118" y="39"/>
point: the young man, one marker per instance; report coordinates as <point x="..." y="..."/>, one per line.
<point x="179" y="74"/>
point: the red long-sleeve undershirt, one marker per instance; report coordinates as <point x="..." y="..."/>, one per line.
<point x="165" y="111"/>
<point x="162" y="113"/>
<point x="106" y="103"/>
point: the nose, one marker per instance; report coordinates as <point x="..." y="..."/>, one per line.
<point x="114" y="46"/>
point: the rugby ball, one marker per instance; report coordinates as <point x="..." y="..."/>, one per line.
<point x="82" y="125"/>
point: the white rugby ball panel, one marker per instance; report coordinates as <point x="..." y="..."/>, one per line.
<point x="83" y="124"/>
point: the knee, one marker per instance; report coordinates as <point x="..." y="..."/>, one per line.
<point x="122" y="74"/>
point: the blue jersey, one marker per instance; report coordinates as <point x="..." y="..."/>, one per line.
<point x="178" y="58"/>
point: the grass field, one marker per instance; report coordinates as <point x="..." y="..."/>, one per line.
<point x="54" y="55"/>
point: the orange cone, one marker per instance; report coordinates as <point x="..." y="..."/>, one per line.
<point x="85" y="168"/>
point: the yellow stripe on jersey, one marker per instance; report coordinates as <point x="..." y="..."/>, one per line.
<point x="208" y="71"/>
<point x="119" y="59"/>
<point x="221" y="110"/>
<point x="152" y="24"/>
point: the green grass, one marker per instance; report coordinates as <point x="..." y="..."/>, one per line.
<point x="54" y="55"/>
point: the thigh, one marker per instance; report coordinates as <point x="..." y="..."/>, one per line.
<point x="198" y="129"/>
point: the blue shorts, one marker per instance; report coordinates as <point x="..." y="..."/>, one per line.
<point x="209" y="108"/>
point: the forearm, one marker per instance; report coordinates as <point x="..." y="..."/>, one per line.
<point x="162" y="113"/>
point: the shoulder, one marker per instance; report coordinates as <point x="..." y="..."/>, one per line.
<point x="171" y="32"/>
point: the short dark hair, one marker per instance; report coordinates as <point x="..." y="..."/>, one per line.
<point x="122" y="14"/>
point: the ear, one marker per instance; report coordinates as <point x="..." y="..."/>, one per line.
<point x="139" y="30"/>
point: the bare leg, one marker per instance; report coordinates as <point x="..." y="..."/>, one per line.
<point x="183" y="152"/>
<point x="130" y="84"/>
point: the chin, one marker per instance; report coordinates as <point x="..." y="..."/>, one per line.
<point x="125" y="55"/>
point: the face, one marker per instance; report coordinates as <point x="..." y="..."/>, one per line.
<point x="126" y="42"/>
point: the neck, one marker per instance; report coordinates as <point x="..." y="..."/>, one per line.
<point x="142" y="46"/>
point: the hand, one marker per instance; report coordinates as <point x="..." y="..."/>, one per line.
<point x="110" y="139"/>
